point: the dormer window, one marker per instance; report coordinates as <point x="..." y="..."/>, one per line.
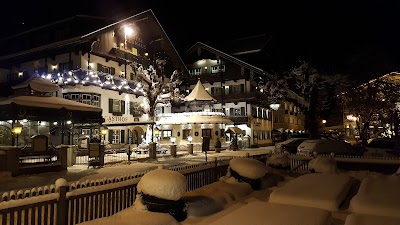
<point x="217" y="68"/>
<point x="195" y="71"/>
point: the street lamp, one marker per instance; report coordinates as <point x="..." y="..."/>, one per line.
<point x="103" y="131"/>
<point x="274" y="107"/>
<point x="16" y="130"/>
<point x="173" y="139"/>
<point x="190" y="139"/>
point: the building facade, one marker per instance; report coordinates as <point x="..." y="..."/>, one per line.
<point x="99" y="62"/>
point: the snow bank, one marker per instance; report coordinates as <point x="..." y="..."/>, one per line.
<point x="265" y="213"/>
<point x="164" y="184"/>
<point x="323" y="164"/>
<point x="212" y="198"/>
<point x="248" y="167"/>
<point x="280" y="161"/>
<point x="131" y="216"/>
<point x="360" y="219"/>
<point x="319" y="190"/>
<point x="377" y="196"/>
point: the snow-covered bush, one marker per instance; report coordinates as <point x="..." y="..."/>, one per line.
<point x="323" y="164"/>
<point x="161" y="191"/>
<point x="247" y="170"/>
<point x="280" y="161"/>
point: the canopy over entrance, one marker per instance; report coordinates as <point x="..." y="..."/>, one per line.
<point x="234" y="130"/>
<point x="48" y="108"/>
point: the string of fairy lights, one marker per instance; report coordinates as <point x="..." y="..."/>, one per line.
<point x="97" y="78"/>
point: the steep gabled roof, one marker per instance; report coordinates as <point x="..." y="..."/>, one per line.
<point x="246" y="45"/>
<point x="152" y="29"/>
<point x="227" y="57"/>
<point x="199" y="93"/>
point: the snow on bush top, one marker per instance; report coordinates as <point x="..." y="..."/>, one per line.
<point x="248" y="167"/>
<point x="323" y="164"/>
<point x="164" y="184"/>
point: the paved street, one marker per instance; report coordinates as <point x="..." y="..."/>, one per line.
<point x="83" y="173"/>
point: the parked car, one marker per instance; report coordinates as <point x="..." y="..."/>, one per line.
<point x="326" y="146"/>
<point x="289" y="145"/>
<point x="381" y="147"/>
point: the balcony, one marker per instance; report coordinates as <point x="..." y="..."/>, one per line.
<point x="235" y="97"/>
<point x="239" y="119"/>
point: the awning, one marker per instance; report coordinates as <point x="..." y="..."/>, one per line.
<point x="48" y="108"/>
<point x="235" y="130"/>
<point x="181" y="119"/>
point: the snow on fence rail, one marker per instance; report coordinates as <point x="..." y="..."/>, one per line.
<point x="76" y="202"/>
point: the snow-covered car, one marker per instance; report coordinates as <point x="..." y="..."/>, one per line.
<point x="290" y="145"/>
<point x="326" y="146"/>
<point x="381" y="147"/>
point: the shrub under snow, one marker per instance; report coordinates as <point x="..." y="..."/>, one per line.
<point x="323" y="164"/>
<point x="247" y="170"/>
<point x="161" y="191"/>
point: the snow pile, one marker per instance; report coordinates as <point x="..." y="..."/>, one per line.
<point x="319" y="190"/>
<point x="323" y="164"/>
<point x="247" y="170"/>
<point x="131" y="216"/>
<point x="360" y="219"/>
<point x="161" y="191"/>
<point x="377" y="196"/>
<point x="165" y="184"/>
<point x="248" y="167"/>
<point x="265" y="213"/>
<point x="212" y="198"/>
<point x="280" y="161"/>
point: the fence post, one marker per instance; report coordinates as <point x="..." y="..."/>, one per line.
<point x="62" y="204"/>
<point x="247" y="155"/>
<point x="216" y="172"/>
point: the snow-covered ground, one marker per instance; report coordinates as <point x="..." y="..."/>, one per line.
<point x="229" y="201"/>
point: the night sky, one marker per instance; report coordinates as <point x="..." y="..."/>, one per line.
<point x="360" y="38"/>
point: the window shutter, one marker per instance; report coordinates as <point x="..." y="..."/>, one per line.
<point x="242" y="88"/>
<point x="230" y="90"/>
<point x="122" y="107"/>
<point x="110" y="136"/>
<point x="122" y="137"/>
<point x="231" y="112"/>
<point x="110" y="105"/>
<point x="131" y="108"/>
<point x="242" y="111"/>
<point x="60" y="67"/>
<point x="112" y="70"/>
<point x="212" y="91"/>
<point x="162" y="109"/>
<point x="100" y="67"/>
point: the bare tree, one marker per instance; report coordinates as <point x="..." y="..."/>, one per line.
<point x="159" y="90"/>
<point x="374" y="101"/>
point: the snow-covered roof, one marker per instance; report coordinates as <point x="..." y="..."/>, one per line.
<point x="50" y="102"/>
<point x="38" y="84"/>
<point x="187" y="118"/>
<point x="199" y="93"/>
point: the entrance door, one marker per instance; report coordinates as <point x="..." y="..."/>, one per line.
<point x="206" y="132"/>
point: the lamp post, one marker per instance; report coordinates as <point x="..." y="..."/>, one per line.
<point x="274" y="107"/>
<point x="16" y="130"/>
<point x="173" y="146"/>
<point x="190" y="149"/>
<point x="103" y="132"/>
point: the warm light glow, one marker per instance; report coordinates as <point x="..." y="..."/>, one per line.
<point x="128" y="31"/>
<point x="351" y="118"/>
<point x="146" y="54"/>
<point x="190" y="139"/>
<point x="69" y="122"/>
<point x="103" y="130"/>
<point x="323" y="121"/>
<point x="16" y="128"/>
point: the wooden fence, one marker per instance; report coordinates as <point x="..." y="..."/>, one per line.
<point x="68" y="204"/>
